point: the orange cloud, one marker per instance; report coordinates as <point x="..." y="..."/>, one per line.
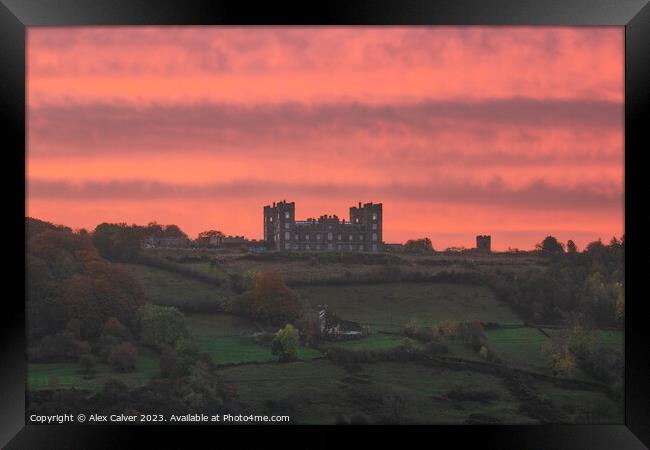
<point x="511" y="131"/>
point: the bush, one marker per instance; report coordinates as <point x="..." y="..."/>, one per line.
<point x="161" y="325"/>
<point x="450" y="329"/>
<point x="285" y="344"/>
<point x="122" y="357"/>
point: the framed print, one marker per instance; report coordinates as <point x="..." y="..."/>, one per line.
<point x="376" y="219"/>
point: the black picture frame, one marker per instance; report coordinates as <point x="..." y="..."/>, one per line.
<point x="634" y="15"/>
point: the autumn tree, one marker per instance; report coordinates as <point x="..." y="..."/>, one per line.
<point x="123" y="357"/>
<point x="285" y="344"/>
<point x="67" y="280"/>
<point x="274" y="301"/>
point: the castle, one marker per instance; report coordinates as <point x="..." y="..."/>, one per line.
<point x="362" y="233"/>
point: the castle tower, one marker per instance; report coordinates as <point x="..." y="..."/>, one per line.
<point x="279" y="221"/>
<point x="484" y="243"/>
<point x="369" y="218"/>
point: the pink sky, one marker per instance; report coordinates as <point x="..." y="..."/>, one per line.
<point x="515" y="132"/>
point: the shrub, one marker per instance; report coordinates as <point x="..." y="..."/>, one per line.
<point x="285" y="344"/>
<point x="122" y="357"/>
<point x="161" y="325"/>
<point x="407" y="345"/>
<point x="450" y="329"/>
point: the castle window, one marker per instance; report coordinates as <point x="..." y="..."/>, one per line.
<point x="295" y="237"/>
<point x="270" y="219"/>
<point x="350" y="239"/>
<point x="361" y="237"/>
<point x="340" y="237"/>
<point x="374" y="247"/>
<point x="306" y="237"/>
<point x="287" y="235"/>
<point x="350" y="246"/>
<point x="374" y="236"/>
<point x="287" y="215"/>
<point x="374" y="216"/>
<point x="374" y="226"/>
<point x="318" y="237"/>
<point x="329" y="236"/>
<point x="307" y="247"/>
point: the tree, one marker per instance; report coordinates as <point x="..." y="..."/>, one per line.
<point x="285" y="344"/>
<point x="173" y="231"/>
<point x="205" y="237"/>
<point x="580" y="342"/>
<point x="123" y="357"/>
<point x="561" y="359"/>
<point x="571" y="246"/>
<point x="274" y="301"/>
<point x="620" y="305"/>
<point x="418" y="245"/>
<point x="161" y="325"/>
<point x="118" y="241"/>
<point x="70" y="285"/>
<point x="551" y="245"/>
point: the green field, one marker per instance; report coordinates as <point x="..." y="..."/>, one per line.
<point x="162" y="287"/>
<point x="579" y="406"/>
<point x="391" y="306"/>
<point x="70" y="374"/>
<point x="519" y="347"/>
<point x="319" y="391"/>
<point x="228" y="339"/>
<point x="371" y="342"/>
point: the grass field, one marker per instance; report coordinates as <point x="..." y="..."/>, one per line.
<point x="228" y="339"/>
<point x="71" y="375"/>
<point x="519" y="347"/>
<point x="586" y="407"/>
<point x="371" y="342"/>
<point x="162" y="287"/>
<point x="319" y="391"/>
<point x="391" y="306"/>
